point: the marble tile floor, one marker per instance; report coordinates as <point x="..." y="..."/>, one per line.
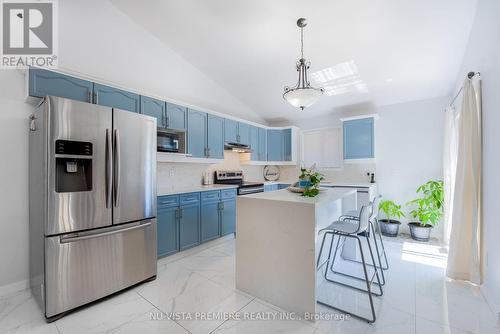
<point x="417" y="299"/>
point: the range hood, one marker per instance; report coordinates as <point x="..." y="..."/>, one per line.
<point x="237" y="147"/>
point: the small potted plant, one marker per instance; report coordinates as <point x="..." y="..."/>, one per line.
<point x="428" y="209"/>
<point x="309" y="180"/>
<point x="390" y="226"/>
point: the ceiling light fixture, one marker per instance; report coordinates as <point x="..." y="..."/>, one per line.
<point x="302" y="95"/>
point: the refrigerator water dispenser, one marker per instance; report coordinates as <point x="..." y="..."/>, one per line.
<point x="73" y="166"/>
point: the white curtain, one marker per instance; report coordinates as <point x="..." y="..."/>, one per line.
<point x="462" y="177"/>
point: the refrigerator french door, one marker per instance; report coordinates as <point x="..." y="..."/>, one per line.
<point x="92" y="202"/>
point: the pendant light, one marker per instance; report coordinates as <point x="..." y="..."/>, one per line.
<point x="302" y="95"/>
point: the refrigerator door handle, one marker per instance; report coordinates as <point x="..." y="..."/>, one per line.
<point x="117" y="167"/>
<point x="109" y="156"/>
<point x="96" y="234"/>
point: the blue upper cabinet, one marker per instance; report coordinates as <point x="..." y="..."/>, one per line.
<point x="116" y="98"/>
<point x="176" y="116"/>
<point x="287" y="144"/>
<point x="244" y="133"/>
<point x="43" y="83"/>
<point x="359" y="139"/>
<point x="154" y="108"/>
<point x="230" y="131"/>
<point x="197" y="133"/>
<point x="215" y="137"/>
<point x="254" y="142"/>
<point x="275" y="145"/>
<point x="262" y="149"/>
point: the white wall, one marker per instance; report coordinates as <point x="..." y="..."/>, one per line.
<point x="101" y="42"/>
<point x="408" y="149"/>
<point x="483" y="55"/>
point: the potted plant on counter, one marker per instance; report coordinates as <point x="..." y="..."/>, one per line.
<point x="309" y="180"/>
<point x="390" y="226"/>
<point x="428" y="209"/>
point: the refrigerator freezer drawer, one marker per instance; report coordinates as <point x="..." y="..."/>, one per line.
<point x="89" y="266"/>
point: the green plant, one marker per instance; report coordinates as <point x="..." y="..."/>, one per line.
<point x="429" y="206"/>
<point x="391" y="210"/>
<point x="312" y="189"/>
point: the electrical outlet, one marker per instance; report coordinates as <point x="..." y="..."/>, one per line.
<point x="171" y="173"/>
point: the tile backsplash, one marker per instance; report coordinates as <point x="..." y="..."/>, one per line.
<point x="172" y="175"/>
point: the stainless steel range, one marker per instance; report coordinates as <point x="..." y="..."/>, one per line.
<point x="92" y="202"/>
<point x="236" y="177"/>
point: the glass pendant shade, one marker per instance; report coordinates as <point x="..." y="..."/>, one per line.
<point x="302" y="97"/>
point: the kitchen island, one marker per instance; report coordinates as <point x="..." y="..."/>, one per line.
<point x="277" y="244"/>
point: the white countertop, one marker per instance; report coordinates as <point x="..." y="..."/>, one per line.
<point x="163" y="191"/>
<point x="348" y="184"/>
<point x="326" y="195"/>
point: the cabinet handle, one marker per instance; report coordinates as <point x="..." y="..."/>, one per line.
<point x="90" y="96"/>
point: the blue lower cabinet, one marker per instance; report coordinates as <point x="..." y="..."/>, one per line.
<point x="228" y="216"/>
<point x="189" y="226"/>
<point x="116" y="98"/>
<point x="210" y="220"/>
<point x="210" y="207"/>
<point x="283" y="186"/>
<point x="43" y="83"/>
<point x="167" y="230"/>
<point x="271" y="187"/>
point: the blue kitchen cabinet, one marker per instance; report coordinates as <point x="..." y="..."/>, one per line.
<point x="254" y="143"/>
<point x="43" y="83"/>
<point x="228" y="216"/>
<point x="210" y="215"/>
<point x="283" y="186"/>
<point x="230" y="131"/>
<point x="116" y="98"/>
<point x="287" y="144"/>
<point x="228" y="211"/>
<point x="154" y="108"/>
<point x="167" y="225"/>
<point x="167" y="231"/>
<point x="189" y="220"/>
<point x="262" y="148"/>
<point x="176" y="116"/>
<point x="275" y="150"/>
<point x="215" y="137"/>
<point x="271" y="187"/>
<point x="197" y="133"/>
<point x="359" y="139"/>
<point x="244" y="133"/>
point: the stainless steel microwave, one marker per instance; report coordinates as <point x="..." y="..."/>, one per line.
<point x="170" y="141"/>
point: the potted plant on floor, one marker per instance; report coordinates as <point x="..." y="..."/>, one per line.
<point x="390" y="226"/>
<point x="428" y="209"/>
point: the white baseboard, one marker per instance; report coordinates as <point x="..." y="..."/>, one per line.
<point x="14" y="287"/>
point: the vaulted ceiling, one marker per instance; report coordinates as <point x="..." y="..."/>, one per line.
<point x="376" y="52"/>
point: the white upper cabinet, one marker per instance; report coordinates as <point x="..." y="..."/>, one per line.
<point x="322" y="147"/>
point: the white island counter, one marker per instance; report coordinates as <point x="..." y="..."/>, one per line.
<point x="277" y="243"/>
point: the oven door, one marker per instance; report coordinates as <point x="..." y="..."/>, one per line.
<point x="250" y="190"/>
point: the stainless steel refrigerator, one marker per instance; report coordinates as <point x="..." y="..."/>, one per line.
<point x="92" y="179"/>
